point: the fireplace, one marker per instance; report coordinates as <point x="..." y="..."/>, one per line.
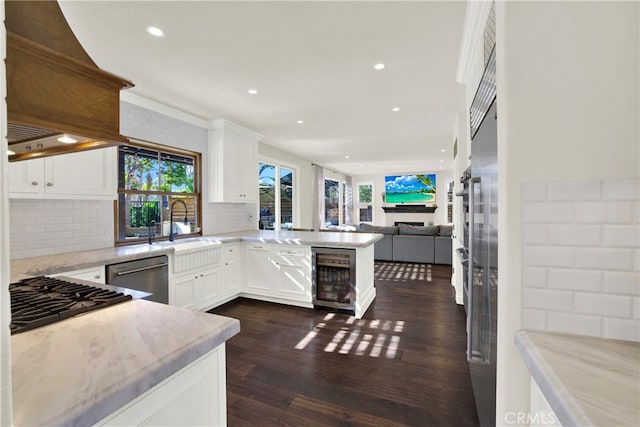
<point x="409" y="223"/>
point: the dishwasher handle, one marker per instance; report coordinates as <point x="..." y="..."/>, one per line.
<point x="138" y="270"/>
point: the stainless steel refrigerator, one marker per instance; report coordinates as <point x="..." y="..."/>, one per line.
<point x="482" y="280"/>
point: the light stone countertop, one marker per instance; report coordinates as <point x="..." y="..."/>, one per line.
<point x="79" y="370"/>
<point x="588" y="381"/>
<point x="53" y="264"/>
<point x="343" y="239"/>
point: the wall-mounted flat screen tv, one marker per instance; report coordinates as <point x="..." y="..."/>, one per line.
<point x="418" y="188"/>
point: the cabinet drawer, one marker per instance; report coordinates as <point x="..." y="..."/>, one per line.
<point x="196" y="260"/>
<point x="230" y="251"/>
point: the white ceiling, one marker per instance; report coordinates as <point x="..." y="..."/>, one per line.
<point x="310" y="61"/>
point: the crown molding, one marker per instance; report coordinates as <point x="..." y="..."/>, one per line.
<point x="226" y="125"/>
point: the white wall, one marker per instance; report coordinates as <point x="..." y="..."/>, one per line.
<point x="568" y="109"/>
<point x="439" y="217"/>
<point x="305" y="181"/>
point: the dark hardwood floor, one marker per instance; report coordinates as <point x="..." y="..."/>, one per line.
<point x="402" y="364"/>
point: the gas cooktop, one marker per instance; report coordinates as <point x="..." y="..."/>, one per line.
<point x="40" y="301"/>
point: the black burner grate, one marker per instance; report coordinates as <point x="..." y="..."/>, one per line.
<point x="40" y="301"/>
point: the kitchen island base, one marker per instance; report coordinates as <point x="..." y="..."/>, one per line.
<point x="193" y="396"/>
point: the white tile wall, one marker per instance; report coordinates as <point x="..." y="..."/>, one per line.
<point x="47" y="227"/>
<point x="580" y="250"/>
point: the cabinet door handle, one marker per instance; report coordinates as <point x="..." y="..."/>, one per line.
<point x="97" y="276"/>
<point x="49" y="184"/>
<point x="34" y="182"/>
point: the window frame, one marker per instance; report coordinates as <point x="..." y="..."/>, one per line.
<point x="357" y="209"/>
<point x="295" y="206"/>
<point x="197" y="194"/>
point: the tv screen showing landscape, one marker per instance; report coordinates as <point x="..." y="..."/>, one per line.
<point x="418" y="188"/>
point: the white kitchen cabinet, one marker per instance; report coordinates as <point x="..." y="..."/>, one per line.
<point x="209" y="288"/>
<point x="282" y="272"/>
<point x="83" y="175"/>
<point x="194" y="396"/>
<point x="231" y="270"/>
<point x="259" y="270"/>
<point x="92" y="274"/>
<point x="293" y="273"/>
<point x="233" y="163"/>
<point x="195" y="279"/>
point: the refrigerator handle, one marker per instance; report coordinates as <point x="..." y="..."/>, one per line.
<point x="471" y="310"/>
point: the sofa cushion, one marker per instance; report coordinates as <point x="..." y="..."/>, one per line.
<point x="445" y="230"/>
<point x="414" y="248"/>
<point x="417" y="230"/>
<point x="389" y="230"/>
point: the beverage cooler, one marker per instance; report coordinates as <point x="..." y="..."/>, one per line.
<point x="334" y="278"/>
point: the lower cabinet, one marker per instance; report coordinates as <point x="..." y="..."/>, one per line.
<point x="193" y="396"/>
<point x="231" y="270"/>
<point x="279" y="271"/>
<point x="197" y="290"/>
<point x="258" y="269"/>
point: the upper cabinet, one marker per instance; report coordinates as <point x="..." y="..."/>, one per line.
<point x="84" y="175"/>
<point x="233" y="163"/>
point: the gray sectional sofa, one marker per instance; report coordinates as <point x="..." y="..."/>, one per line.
<point x="410" y="243"/>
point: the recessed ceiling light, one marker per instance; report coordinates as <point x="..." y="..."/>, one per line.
<point x="300" y="122"/>
<point x="379" y="66"/>
<point x="252" y="91"/>
<point x="441" y="161"/>
<point x="395" y="109"/>
<point x="11" y="152"/>
<point x="362" y="165"/>
<point x="347" y="157"/>
<point x="443" y="150"/>
<point x="155" y="31"/>
<point x="67" y="139"/>
<point x="440" y="167"/>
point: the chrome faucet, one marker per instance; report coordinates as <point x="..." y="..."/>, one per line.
<point x="186" y="211"/>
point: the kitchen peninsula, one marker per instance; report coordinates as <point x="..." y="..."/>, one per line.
<point x="97" y="367"/>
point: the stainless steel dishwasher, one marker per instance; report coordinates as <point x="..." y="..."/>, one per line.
<point x="148" y="274"/>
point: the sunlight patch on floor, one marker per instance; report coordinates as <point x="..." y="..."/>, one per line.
<point x="375" y="338"/>
<point x="403" y="272"/>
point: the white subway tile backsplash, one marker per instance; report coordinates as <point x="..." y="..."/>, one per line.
<point x="607" y="305"/>
<point x="534" y="191"/>
<point x="572" y="323"/>
<point x="574" y="190"/>
<point x="619" y="329"/>
<point x="534" y="234"/>
<point x="621" y="189"/>
<point x="534" y="277"/>
<point x="581" y="243"/>
<point x="547" y="213"/>
<point x="574" y="235"/>
<point x="547" y="299"/>
<point x="604" y="259"/>
<point x="627" y="283"/>
<point x="572" y="279"/>
<point x="621" y="236"/>
<point x="534" y="319"/>
<point x="603" y="213"/>
<point x="547" y="256"/>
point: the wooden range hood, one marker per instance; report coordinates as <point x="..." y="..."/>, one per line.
<point x="53" y="87"/>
